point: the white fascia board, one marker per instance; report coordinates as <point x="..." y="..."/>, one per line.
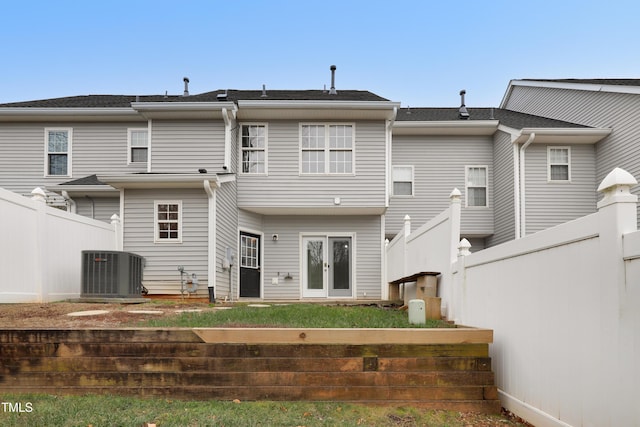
<point x="159" y="180"/>
<point x="92" y="190"/>
<point x="181" y="106"/>
<point x="320" y="104"/>
<point x="452" y="127"/>
<point x="563" y="135"/>
<point x="593" y="87"/>
<point x="316" y="210"/>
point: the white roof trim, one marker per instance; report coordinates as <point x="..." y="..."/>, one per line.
<point x="320" y="104"/>
<point x="182" y="106"/>
<point x="162" y="180"/>
<point x="449" y="127"/>
<point x="557" y="135"/>
<point x="592" y="87"/>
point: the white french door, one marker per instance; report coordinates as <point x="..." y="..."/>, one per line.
<point x="327" y="266"/>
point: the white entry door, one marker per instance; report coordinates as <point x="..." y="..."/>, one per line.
<point x="327" y="267"/>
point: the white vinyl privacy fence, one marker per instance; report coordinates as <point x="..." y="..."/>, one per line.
<point x="40" y="248"/>
<point x="564" y="305"/>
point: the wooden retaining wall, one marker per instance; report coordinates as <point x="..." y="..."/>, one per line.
<point x="417" y="367"/>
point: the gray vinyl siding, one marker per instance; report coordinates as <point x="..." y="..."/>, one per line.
<point x="249" y="221"/>
<point x="96" y="148"/>
<point x="503" y="190"/>
<point x="618" y="111"/>
<point x="282" y="257"/>
<point x="284" y="186"/>
<point x="439" y="167"/>
<point x="226" y="228"/>
<point x="100" y="208"/>
<point x="161" y="274"/>
<point x="184" y="146"/>
<point x="553" y="203"/>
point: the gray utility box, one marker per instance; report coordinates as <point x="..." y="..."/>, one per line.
<point x="111" y="274"/>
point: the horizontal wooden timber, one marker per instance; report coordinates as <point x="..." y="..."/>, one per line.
<point x="346" y="336"/>
<point x="241" y="350"/>
<point x="180" y="363"/>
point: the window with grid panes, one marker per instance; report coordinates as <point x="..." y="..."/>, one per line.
<point x="168" y="221"/>
<point x="326" y="149"/>
<point x="476" y="186"/>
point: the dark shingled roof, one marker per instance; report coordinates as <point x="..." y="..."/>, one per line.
<point x="509" y="118"/>
<point x="87" y="180"/>
<point x="119" y="101"/>
<point x="615" y="82"/>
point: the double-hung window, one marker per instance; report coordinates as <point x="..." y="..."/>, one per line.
<point x="327" y="149"/>
<point x="138" y="142"/>
<point x="476" y="188"/>
<point x="168" y="221"/>
<point x="559" y="164"/>
<point x="254" y="149"/>
<point x="403" y="180"/>
<point x="58" y="152"/>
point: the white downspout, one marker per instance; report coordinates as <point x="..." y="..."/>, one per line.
<point x="72" y="204"/>
<point x="228" y="123"/>
<point x="516" y="190"/>
<point x="523" y="216"/>
<point x="211" y="250"/>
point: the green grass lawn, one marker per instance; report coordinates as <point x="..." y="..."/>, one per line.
<point x="295" y="316"/>
<point x="111" y="411"/>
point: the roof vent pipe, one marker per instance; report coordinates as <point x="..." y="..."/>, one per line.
<point x="186" y="86"/>
<point x="264" y="91"/>
<point x="463" y="114"/>
<point x="333" y="91"/>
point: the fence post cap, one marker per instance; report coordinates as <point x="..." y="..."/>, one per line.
<point x="455" y="193"/>
<point x="617" y="178"/>
<point x="39" y="194"/>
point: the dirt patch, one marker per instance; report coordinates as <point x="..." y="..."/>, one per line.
<point x="55" y="315"/>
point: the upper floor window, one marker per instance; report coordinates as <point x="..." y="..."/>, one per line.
<point x="403" y="180"/>
<point x="138" y="142"/>
<point x="168" y="221"/>
<point x="559" y="163"/>
<point x="327" y="149"/>
<point x="254" y="149"/>
<point x="476" y="188"/>
<point x="58" y="152"/>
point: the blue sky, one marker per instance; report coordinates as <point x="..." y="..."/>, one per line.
<point x="420" y="53"/>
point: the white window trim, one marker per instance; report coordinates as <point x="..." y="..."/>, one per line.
<point x="69" y="151"/>
<point x="413" y="181"/>
<point x="129" y="147"/>
<point x="327" y="149"/>
<point x="266" y="149"/>
<point x="466" y="186"/>
<point x="558" y="147"/>
<point x="156" y="237"/>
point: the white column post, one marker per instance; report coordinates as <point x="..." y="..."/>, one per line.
<point x="41" y="259"/>
<point x="617" y="216"/>
<point x="405" y="253"/>
<point x="117" y="229"/>
<point x="456" y="307"/>
<point x="455" y="213"/>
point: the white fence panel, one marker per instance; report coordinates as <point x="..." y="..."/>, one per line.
<point x="40" y="253"/>
<point x="564" y="305"/>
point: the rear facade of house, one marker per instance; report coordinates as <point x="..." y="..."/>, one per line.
<point x="289" y="195"/>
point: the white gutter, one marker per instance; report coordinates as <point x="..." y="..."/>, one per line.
<point x="523" y="217"/>
<point x="212" y="244"/>
<point x="320" y="104"/>
<point x="72" y="203"/>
